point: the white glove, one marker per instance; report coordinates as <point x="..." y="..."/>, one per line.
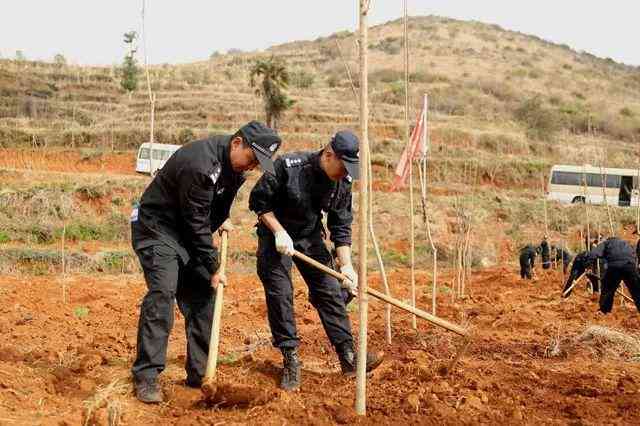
<point x="284" y="243"/>
<point x="351" y="283"/>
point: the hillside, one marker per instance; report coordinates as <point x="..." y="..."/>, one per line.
<point x="478" y="77"/>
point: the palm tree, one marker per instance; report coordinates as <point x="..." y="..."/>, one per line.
<point x="275" y="79"/>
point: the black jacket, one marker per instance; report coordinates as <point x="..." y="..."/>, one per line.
<point x="614" y="251"/>
<point x="188" y="200"/>
<point x="528" y="255"/>
<point x="545" y="251"/>
<point x="298" y="194"/>
<point x="562" y="254"/>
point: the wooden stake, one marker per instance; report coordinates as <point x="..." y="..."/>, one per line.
<point x="407" y="140"/>
<point x="544" y="204"/>
<point x="376" y="248"/>
<point x="152" y="96"/>
<point x="361" y="366"/>
<point x="374" y="240"/>
<point x="64" y="270"/>
<point x="422" y="170"/>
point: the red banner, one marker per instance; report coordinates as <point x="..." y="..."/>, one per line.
<point x="410" y="152"/>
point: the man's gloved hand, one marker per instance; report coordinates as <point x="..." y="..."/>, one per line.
<point x="284" y="243"/>
<point x="351" y="282"/>
<point x="226" y="226"/>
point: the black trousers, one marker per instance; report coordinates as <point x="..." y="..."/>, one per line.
<point x="525" y="268"/>
<point x="168" y="280"/>
<point x="611" y="281"/>
<point x="325" y="292"/>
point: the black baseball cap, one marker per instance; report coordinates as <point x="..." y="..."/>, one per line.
<point x="346" y="145"/>
<point x="264" y="142"/>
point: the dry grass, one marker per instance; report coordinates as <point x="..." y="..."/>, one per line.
<point x="611" y="343"/>
<point x="110" y="398"/>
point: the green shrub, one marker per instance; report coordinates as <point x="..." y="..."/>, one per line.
<point x="92" y="191"/>
<point x="185" y="136"/>
<point x="333" y="81"/>
<point x="4" y="237"/>
<point x="627" y="112"/>
<point x="302" y="79"/>
<point x="388" y="45"/>
<point x="42" y="234"/>
<point x="79" y="232"/>
<point x="425" y="77"/>
<point x="385" y="75"/>
<point x="540" y="122"/>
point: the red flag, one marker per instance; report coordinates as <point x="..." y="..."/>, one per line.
<point x="409" y="154"/>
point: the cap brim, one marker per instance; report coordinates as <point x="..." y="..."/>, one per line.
<point x="266" y="163"/>
<point x="353" y="169"/>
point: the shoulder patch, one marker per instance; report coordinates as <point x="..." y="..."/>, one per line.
<point x="295" y="161"/>
<point x="215" y="175"/>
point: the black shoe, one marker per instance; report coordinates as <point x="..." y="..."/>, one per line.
<point x="348" y="358"/>
<point x="291" y="370"/>
<point x="148" y="391"/>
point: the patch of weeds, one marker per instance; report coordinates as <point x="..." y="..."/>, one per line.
<point x="4" y="237"/>
<point x="117" y="201"/>
<point x="80" y="312"/>
<point x="92" y="192"/>
<point x="229" y="359"/>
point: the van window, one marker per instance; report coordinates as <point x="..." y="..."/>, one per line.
<point x="144" y="154"/>
<point x="566" y="178"/>
<point x="613" y="181"/>
<point x="594" y="180"/>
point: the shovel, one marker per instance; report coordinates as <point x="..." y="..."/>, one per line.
<point x="209" y="385"/>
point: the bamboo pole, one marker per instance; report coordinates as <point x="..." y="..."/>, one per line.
<point x="544" y="204"/>
<point x="376" y="248"/>
<point x="586" y="208"/>
<point x="408" y="142"/>
<point x="604" y="197"/>
<point x="64" y="269"/>
<point x="423" y="192"/>
<point x="378" y="295"/>
<point x="374" y="240"/>
<point x="152" y="96"/>
<point x="361" y="366"/>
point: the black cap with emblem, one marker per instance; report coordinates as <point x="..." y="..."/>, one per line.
<point x="346" y="145"/>
<point x="264" y="142"/>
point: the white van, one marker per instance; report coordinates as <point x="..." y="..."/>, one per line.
<point x="594" y="185"/>
<point x="150" y="164"/>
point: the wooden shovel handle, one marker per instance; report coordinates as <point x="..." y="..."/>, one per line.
<point x="214" y="342"/>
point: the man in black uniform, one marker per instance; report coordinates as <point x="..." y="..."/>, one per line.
<point x="527" y="260"/>
<point x="580" y="265"/>
<point x="621" y="266"/>
<point x="186" y="202"/>
<point x="562" y="254"/>
<point x="545" y="253"/>
<point x="289" y="206"/>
